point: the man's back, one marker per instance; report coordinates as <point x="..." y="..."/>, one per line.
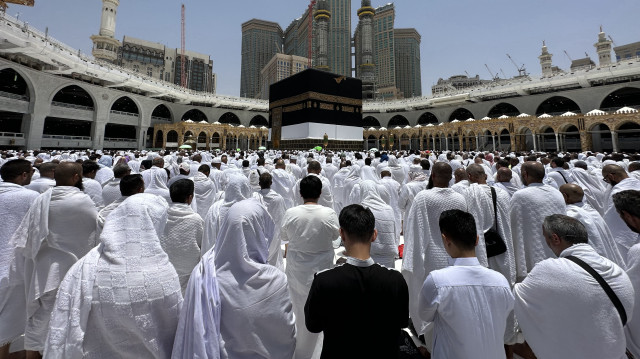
<point x="565" y="313"/>
<point x="374" y="306"/>
<point x="529" y="207"/>
<point x="469" y="305"/>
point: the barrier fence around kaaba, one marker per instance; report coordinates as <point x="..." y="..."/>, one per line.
<point x="308" y="105"/>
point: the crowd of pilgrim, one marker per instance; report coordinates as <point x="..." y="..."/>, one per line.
<point x="280" y="254"/>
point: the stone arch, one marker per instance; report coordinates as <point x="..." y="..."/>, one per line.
<point x="557" y="105"/>
<point x="626" y="96"/>
<point x="159" y="139"/>
<point x="194" y="115"/>
<point x="162" y="112"/>
<point x="600" y="136"/>
<point x="370" y="121"/>
<point x="524" y="139"/>
<point x="259" y="121"/>
<point x="202" y="137"/>
<point x="11" y="81"/>
<point x="29" y="83"/>
<point x="186" y="135"/>
<point x="125" y="104"/>
<point x="570" y="137"/>
<point x="74" y="95"/>
<point x="230" y="118"/>
<point x="461" y="114"/>
<point x="172" y="136"/>
<point x="405" y="142"/>
<point x="216" y="140"/>
<point x="628" y="136"/>
<point x="427" y="118"/>
<point x="398" y="120"/>
<point x="503" y="109"/>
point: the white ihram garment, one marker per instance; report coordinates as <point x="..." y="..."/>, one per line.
<point x="368" y="173"/>
<point x="384" y="249"/>
<point x="625" y="238"/>
<point x="600" y="237"/>
<point x="155" y="182"/>
<point x="111" y="191"/>
<point x="409" y="192"/>
<point x="276" y="208"/>
<point x="94" y="189"/>
<point x="352" y="179"/>
<point x="529" y="207"/>
<point x="585" y="326"/>
<point x="310" y="231"/>
<point x="508" y="187"/>
<point x="59" y="228"/>
<point x="237" y="189"/>
<point x="423" y="248"/>
<point x="204" y="193"/>
<point x="181" y="240"/>
<point x="393" y="189"/>
<point x="283" y="183"/>
<point x="593" y="188"/>
<point x="122" y="299"/>
<point x="41" y="185"/>
<point x="256" y="318"/>
<point x="632" y="329"/>
<point x="16" y="201"/>
<point x="104" y="213"/>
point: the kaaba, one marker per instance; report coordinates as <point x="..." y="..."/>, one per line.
<point x="312" y="103"/>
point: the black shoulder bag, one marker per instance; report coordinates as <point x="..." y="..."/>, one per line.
<point x="607" y="289"/>
<point x="494" y="243"/>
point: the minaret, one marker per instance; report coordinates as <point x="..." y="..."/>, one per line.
<point x="105" y="45"/>
<point x="603" y="48"/>
<point x="322" y="15"/>
<point x="545" y="61"/>
<point x="367" y="67"/>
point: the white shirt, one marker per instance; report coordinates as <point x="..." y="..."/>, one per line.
<point x="469" y="304"/>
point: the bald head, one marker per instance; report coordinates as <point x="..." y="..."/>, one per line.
<point x="280" y="164"/>
<point x="613" y="174"/>
<point x="475" y="170"/>
<point x="572" y="193"/>
<point x="532" y="172"/>
<point x="460" y="175"/>
<point x="504" y="175"/>
<point x="68" y="174"/>
<point x="441" y="174"/>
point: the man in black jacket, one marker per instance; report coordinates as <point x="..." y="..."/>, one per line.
<point x="373" y="300"/>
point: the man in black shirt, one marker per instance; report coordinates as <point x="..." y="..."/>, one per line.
<point x="360" y="306"/>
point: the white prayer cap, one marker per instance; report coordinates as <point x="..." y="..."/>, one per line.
<point x="293" y="157"/>
<point x="185" y="167"/>
<point x="216" y="160"/>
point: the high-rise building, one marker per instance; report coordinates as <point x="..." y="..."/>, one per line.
<point x="279" y="68"/>
<point x="363" y="42"/>
<point x="261" y="40"/>
<point x="105" y="45"/>
<point x="407" y="60"/>
<point x="158" y="61"/>
<point x="384" y="52"/>
<point x="321" y="17"/>
<point x="339" y="44"/>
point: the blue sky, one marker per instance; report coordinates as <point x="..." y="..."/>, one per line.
<point x="457" y="35"/>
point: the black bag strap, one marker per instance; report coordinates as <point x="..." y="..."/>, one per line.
<point x="495" y="207"/>
<point x="563" y="177"/>
<point x="612" y="295"/>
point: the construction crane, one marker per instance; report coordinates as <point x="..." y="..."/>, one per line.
<point x="493" y="77"/>
<point x="312" y="3"/>
<point x="183" y="75"/>
<point x="522" y="71"/>
<point x="611" y="38"/>
<point x="569" y="57"/>
<point x="503" y="75"/>
<point x="3" y="3"/>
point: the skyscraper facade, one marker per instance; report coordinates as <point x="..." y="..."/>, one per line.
<point x="384" y="51"/>
<point x="261" y="40"/>
<point x="407" y="60"/>
<point x="363" y="42"/>
<point x="279" y="68"/>
<point x="339" y="42"/>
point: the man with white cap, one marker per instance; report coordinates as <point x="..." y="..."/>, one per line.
<point x="185" y="171"/>
<point x="111" y="189"/>
<point x="283" y="183"/>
